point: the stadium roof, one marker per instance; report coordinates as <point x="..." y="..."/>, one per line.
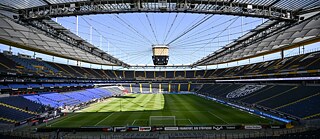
<point x="290" y="5"/>
<point x="277" y="36"/>
<point x="31" y="26"/>
<point x="69" y="46"/>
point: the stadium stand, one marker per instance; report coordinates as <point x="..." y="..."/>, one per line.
<point x="22" y="103"/>
<point x="14" y="114"/>
<point x="190" y="74"/>
<point x="302" y="64"/>
<point x="129" y="75"/>
<point x="7" y="64"/>
<point x="150" y="74"/>
<point x="111" y="74"/>
<point x="183" y="87"/>
<point x="18" y="108"/>
<point x="140" y="74"/>
<point x="305" y="107"/>
<point x="293" y="100"/>
<point x="160" y="74"/>
<point x="200" y="73"/>
<point x="180" y="74"/>
<point x="119" y="74"/>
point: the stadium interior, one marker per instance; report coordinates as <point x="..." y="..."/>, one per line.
<point x="220" y="69"/>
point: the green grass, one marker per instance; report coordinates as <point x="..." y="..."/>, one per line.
<point x="135" y="110"/>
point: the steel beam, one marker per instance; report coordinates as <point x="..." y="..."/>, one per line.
<point x="132" y="6"/>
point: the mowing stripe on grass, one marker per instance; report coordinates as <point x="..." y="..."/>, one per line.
<point x="218" y="117"/>
<point x="188" y="110"/>
<point x="104" y="119"/>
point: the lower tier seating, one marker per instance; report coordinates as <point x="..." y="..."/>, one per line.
<point x="300" y="101"/>
<point x="14" y="114"/>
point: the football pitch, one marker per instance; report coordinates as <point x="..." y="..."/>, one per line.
<point x="165" y="110"/>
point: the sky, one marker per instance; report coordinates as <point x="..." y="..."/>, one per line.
<point x="129" y="37"/>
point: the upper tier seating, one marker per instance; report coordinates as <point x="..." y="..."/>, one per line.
<point x="303" y="62"/>
<point x="32" y="64"/>
<point x="6" y="63"/>
<point x="150" y="74"/>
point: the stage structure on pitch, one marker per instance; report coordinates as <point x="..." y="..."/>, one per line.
<point x="160" y="54"/>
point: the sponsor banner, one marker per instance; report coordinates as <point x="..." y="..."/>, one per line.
<point x="171" y="128"/>
<point x="47" y="120"/>
<point x="107" y="129"/>
<point x="252" y="127"/>
<point x="145" y="128"/>
<point x="205" y="128"/>
<point x="120" y="129"/>
<point x="230" y="127"/>
<point x="217" y="127"/>
<point x="23" y="122"/>
<point x="157" y="128"/>
<point x="185" y="128"/>
<point x="275" y="127"/>
<point x="272" y="79"/>
<point x="136" y="128"/>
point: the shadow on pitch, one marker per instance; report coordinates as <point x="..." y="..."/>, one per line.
<point x="124" y="97"/>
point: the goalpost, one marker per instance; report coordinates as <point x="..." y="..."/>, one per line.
<point x="162" y="121"/>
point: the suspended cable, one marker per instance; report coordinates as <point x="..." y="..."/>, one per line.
<point x="144" y="26"/>
<point x="116" y="30"/>
<point x="210" y="34"/>
<point x="134" y="29"/>
<point x="170" y="28"/>
<point x="154" y="34"/>
<point x="190" y="29"/>
<point x="206" y="30"/>
<point x="202" y="31"/>
<point x="196" y="40"/>
<point x="165" y="30"/>
<point x="100" y="33"/>
<point x="217" y="35"/>
<point x="174" y="30"/>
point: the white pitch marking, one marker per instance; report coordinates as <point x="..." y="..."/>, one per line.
<point x="190" y="121"/>
<point x="64" y="119"/>
<point x="104" y="119"/>
<point x="133" y="122"/>
<point x="218" y="117"/>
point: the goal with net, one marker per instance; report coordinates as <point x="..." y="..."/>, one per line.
<point x="162" y="121"/>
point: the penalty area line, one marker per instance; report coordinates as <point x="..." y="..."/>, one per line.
<point x="133" y="122"/>
<point x="104" y="119"/>
<point x="218" y="117"/>
<point x="190" y="121"/>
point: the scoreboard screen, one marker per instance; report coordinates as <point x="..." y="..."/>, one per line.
<point x="160" y="54"/>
